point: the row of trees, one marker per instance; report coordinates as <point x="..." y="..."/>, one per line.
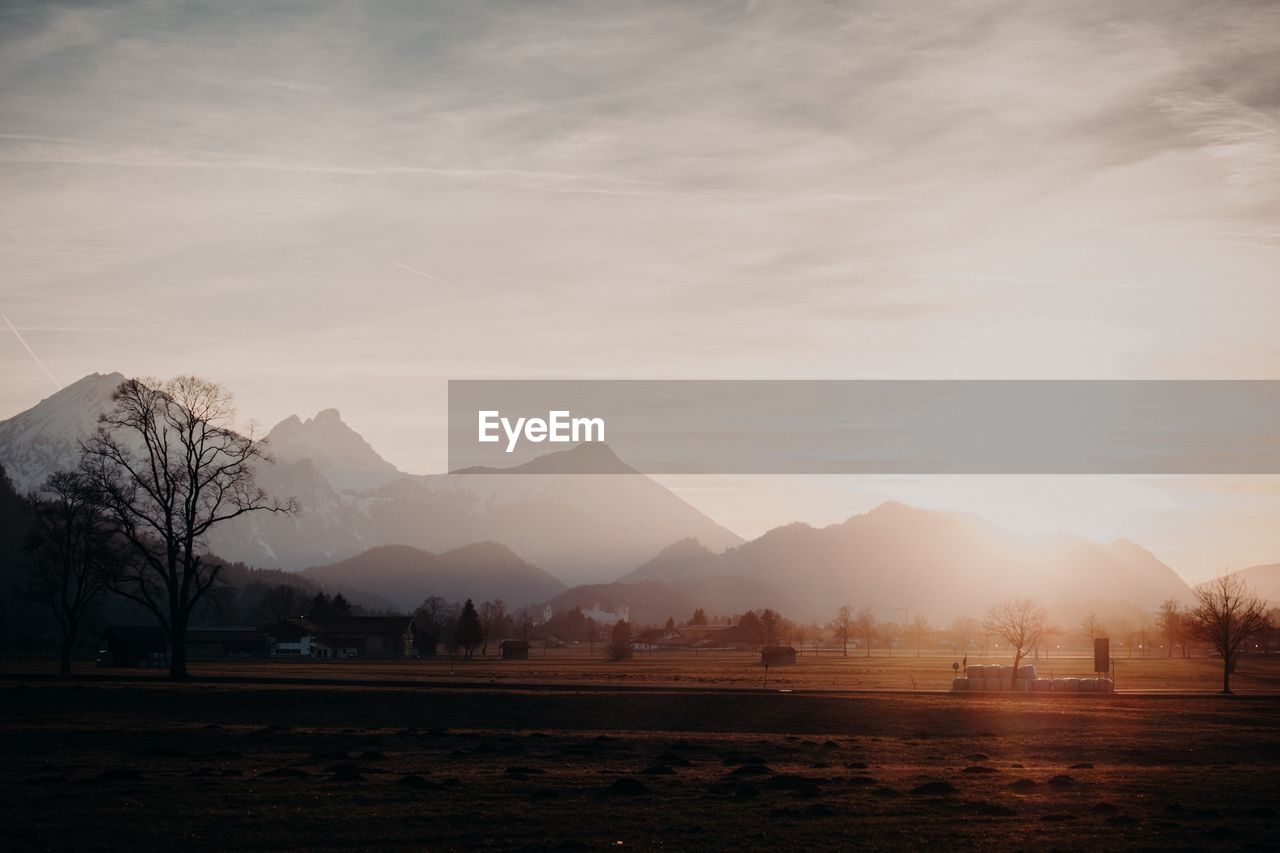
<point x="1226" y="615"/>
<point x="466" y="628"/>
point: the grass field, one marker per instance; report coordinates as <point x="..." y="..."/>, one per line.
<point x="143" y="764"/>
<point x="826" y="671"/>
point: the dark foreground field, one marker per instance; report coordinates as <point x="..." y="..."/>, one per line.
<point x="152" y="766"/>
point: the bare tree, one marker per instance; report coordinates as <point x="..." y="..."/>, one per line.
<point x="167" y="466"/>
<point x="1170" y="622"/>
<point x="493" y="615"/>
<point x="280" y="602"/>
<point x="524" y="622"/>
<point x="890" y="633"/>
<point x="431" y="614"/>
<point x="842" y="623"/>
<point x="864" y="626"/>
<point x="919" y="631"/>
<point x="1093" y="628"/>
<point x="1020" y="622"/>
<point x="1226" y="614"/>
<point x="768" y="627"/>
<point x="70" y="554"/>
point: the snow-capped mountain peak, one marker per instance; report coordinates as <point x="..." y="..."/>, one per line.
<point x="46" y="437"/>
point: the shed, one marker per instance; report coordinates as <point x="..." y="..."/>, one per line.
<point x="777" y="655"/>
<point x="514" y="649"/>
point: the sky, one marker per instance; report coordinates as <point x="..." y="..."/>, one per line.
<point x="347" y="204"/>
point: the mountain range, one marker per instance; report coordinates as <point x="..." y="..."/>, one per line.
<point x="580" y="528"/>
<point x="899" y="559"/>
<point x="405" y="576"/>
<point x="615" y="537"/>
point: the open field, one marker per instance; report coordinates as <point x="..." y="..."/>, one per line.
<point x="151" y="765"/>
<point x="825" y="671"/>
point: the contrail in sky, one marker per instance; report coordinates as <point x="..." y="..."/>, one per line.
<point x="408" y="268"/>
<point x="32" y="352"/>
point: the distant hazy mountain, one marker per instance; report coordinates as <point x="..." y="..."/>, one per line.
<point x="405" y="576"/>
<point x="336" y="450"/>
<point x="682" y="560"/>
<point x="581" y="528"/>
<point x="938" y="563"/>
<point x="652" y="602"/>
<point x="1264" y="580"/>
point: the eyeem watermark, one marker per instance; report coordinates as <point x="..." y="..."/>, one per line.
<point x="869" y="426"/>
<point x="559" y="427"/>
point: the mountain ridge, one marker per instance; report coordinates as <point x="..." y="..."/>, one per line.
<point x="406" y="575"/>
<point x="583" y="528"/>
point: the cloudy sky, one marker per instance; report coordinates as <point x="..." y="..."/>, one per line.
<point x="347" y="204"/>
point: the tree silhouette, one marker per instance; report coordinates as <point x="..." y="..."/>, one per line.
<point x="1020" y="622"/>
<point x="493" y="616"/>
<point x="1169" y="619"/>
<point x="321" y="606"/>
<point x="1093" y="628"/>
<point x="842" y="623"/>
<point x="167" y="467"/>
<point x="431" y="615"/>
<point x="468" y="632"/>
<point x="864" y="626"/>
<point x="340" y="605"/>
<point x="70" y="554"/>
<point x="279" y="603"/>
<point x="768" y="627"/>
<point x="919" y="631"/>
<point x="620" y="641"/>
<point x="1226" y="614"/>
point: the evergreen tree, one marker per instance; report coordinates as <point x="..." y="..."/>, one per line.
<point x="620" y="641"/>
<point x="469" y="632"/>
<point x="321" y="606"/>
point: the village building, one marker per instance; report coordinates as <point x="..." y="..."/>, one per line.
<point x="514" y="649"/>
<point x="661" y="639"/>
<point x="342" y="637"/>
